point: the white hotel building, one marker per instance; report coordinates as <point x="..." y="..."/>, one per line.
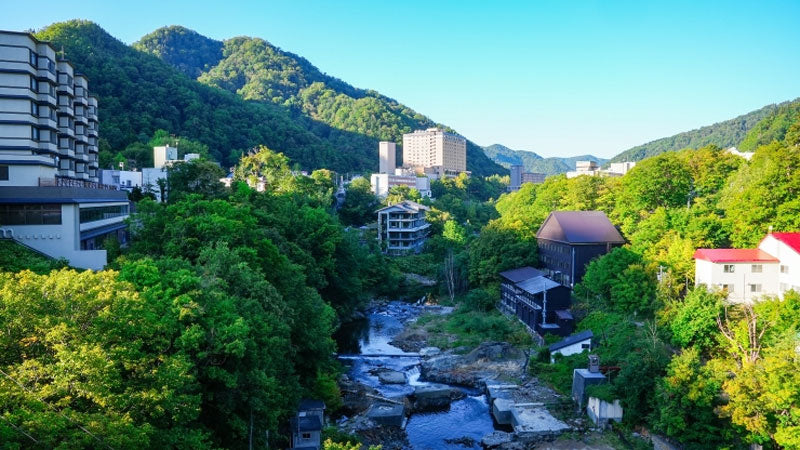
<point x="50" y="196"/>
<point x="748" y="274"/>
<point x="435" y="152"/>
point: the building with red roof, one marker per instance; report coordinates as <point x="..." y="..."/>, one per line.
<point x="749" y="273"/>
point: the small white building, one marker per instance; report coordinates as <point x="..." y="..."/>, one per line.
<point x="121" y="179"/>
<point x="571" y="345"/>
<point x="382" y="183"/>
<point x="747" y="274"/>
<point x="402" y="227"/>
<point x="735" y="151"/>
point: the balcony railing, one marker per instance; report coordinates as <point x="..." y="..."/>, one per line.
<point x="72" y="182"/>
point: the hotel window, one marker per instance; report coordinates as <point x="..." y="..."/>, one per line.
<point x="34" y="84"/>
<point x="784" y="269"/>
<point x="45" y="214"/>
<point x="34" y="133"/>
<point x="34" y="109"/>
<point x="757" y="268"/>
<point x="34" y="59"/>
<point x="102" y="212"/>
<point x="727" y="287"/>
<point x="3" y="173"/>
<point x="755" y="288"/>
<point x="728" y="268"/>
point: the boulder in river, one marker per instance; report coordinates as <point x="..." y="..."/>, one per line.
<point x="432" y="396"/>
<point x="489" y="361"/>
<point x="429" y="351"/>
<point x="496" y="439"/>
<point x="389" y="376"/>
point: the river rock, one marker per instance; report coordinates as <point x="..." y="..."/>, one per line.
<point x="429" y="351"/>
<point x="432" y="396"/>
<point x="488" y="361"/>
<point x="387" y="414"/>
<point x="496" y="439"/>
<point x="389" y="376"/>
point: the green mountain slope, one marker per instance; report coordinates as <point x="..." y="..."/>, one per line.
<point x="773" y="127"/>
<point x="723" y="134"/>
<point x="139" y="94"/>
<point x="532" y="162"/>
<point x="351" y="119"/>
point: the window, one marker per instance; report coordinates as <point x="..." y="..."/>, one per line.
<point x="728" y="268"/>
<point x="727" y="287"/>
<point x="306" y="435"/>
<point x="34" y="109"/>
<point x="34" y="133"/>
<point x="3" y="173"/>
<point x="92" y="214"/>
<point x="34" y="84"/>
<point x="755" y="288"/>
<point x="784" y="269"/>
<point x="756" y="268"/>
<point x="45" y="214"/>
<point x="34" y="59"/>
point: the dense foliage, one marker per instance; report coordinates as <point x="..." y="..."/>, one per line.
<point x="216" y="320"/>
<point x="730" y="133"/>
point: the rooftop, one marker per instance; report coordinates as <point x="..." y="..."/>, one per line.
<point x="306" y="423"/>
<point x="537" y="285"/>
<point x="579" y="227"/>
<point x="521" y="274"/>
<point x="405" y="206"/>
<point x="790" y="239"/>
<point x="58" y="194"/>
<point x="722" y="255"/>
<point x="573" y="339"/>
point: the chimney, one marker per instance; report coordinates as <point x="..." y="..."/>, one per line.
<point x="594" y="363"/>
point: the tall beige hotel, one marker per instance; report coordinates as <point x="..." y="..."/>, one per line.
<point x="435" y="151"/>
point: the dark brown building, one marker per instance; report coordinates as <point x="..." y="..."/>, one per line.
<point x="568" y="240"/>
<point x="539" y="302"/>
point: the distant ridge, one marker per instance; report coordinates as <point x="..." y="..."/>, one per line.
<point x="533" y="162"/>
<point x="724" y="134"/>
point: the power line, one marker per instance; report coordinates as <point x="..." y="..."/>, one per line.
<point x="55" y="409"/>
<point x="20" y="430"/>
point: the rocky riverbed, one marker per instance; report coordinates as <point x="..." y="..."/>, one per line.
<point x="401" y="393"/>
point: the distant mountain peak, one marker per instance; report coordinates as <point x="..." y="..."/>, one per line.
<point x="533" y="162"/>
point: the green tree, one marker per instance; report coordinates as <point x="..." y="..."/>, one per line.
<point x="359" y="204"/>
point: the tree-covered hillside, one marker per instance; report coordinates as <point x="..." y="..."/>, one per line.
<point x="139" y="94"/>
<point x="532" y="162"/>
<point x="723" y="134"/>
<point x="352" y="119"/>
<point x="773" y="127"/>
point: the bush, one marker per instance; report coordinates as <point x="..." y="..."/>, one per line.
<point x="479" y="300"/>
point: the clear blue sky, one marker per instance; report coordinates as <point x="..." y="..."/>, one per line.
<point x="557" y="77"/>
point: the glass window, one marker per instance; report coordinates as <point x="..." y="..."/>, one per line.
<point x="34" y="133"/>
<point x="34" y="59"/>
<point x="784" y="269"/>
<point x="757" y="268"/>
<point x="95" y="213"/>
<point x="755" y="288"/>
<point x="34" y="109"/>
<point x="728" y="268"/>
<point x="45" y="214"/>
<point x="34" y="84"/>
<point x="3" y="173"/>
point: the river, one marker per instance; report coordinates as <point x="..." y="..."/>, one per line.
<point x="468" y="417"/>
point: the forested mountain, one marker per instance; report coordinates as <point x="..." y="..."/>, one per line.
<point x="532" y="162"/>
<point x="351" y="119"/>
<point x="140" y="94"/>
<point x="723" y="134"/>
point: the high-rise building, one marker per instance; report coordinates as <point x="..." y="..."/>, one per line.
<point x="435" y="151"/>
<point x="516" y="178"/>
<point x="50" y="196"/>
<point x="387" y="157"/>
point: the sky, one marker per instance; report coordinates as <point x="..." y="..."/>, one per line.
<point x="560" y="78"/>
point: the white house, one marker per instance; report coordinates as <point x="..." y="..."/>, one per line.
<point x="121" y="179"/>
<point x="785" y="247"/>
<point x="747" y="274"/>
<point x="571" y="345"/>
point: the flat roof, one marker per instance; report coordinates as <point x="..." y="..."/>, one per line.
<point x="57" y="194"/>
<point x="521" y="274"/>
<point x="573" y="339"/>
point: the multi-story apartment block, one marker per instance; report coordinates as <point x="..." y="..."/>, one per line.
<point x="435" y="152"/>
<point x="539" y="302"/>
<point x="402" y="227"/>
<point x="50" y="195"/>
<point x="748" y="274"/>
<point x="533" y="177"/>
<point x="520" y="177"/>
<point x="382" y="183"/>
